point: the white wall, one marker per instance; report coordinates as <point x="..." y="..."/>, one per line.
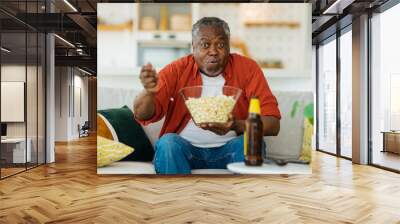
<point x="116" y="50"/>
<point x="67" y="114"/>
<point x="17" y="73"/>
<point x="79" y="117"/>
<point x="291" y="84"/>
<point x="61" y="103"/>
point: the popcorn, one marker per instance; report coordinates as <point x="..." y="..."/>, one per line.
<point x="210" y="109"/>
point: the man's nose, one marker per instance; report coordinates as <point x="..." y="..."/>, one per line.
<point x="212" y="50"/>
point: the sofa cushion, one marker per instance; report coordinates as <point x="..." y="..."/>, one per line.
<point x="130" y="133"/>
<point x="289" y="142"/>
<point x="109" y="151"/>
<point x="126" y="167"/>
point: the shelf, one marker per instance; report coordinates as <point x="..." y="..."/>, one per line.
<point x="164" y="31"/>
<point x="292" y="25"/>
<point x="127" y="26"/>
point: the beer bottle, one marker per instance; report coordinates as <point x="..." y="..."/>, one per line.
<point x="253" y="135"/>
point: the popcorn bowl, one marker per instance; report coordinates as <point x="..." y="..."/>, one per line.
<point x="210" y="104"/>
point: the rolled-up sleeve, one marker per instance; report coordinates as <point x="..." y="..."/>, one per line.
<point x="165" y="85"/>
<point x="258" y="86"/>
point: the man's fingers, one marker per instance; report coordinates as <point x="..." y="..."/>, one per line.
<point x="148" y="71"/>
<point x="204" y="126"/>
<point x="217" y="131"/>
<point x="219" y="125"/>
<point x="214" y="125"/>
<point x="149" y="79"/>
<point x="150" y="85"/>
<point x="149" y="82"/>
<point x="147" y="74"/>
<point x="147" y="66"/>
<point x="217" y="128"/>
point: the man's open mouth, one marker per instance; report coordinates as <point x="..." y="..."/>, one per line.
<point x="213" y="62"/>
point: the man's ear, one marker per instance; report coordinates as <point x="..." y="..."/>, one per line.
<point x="192" y="46"/>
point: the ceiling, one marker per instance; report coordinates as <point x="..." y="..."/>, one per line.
<point x="77" y="23"/>
<point x="77" y="26"/>
<point x="332" y="15"/>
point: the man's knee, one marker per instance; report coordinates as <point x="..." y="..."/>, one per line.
<point x="171" y="155"/>
<point x="168" y="145"/>
<point x="168" y="139"/>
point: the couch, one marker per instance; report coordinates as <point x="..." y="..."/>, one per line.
<point x="287" y="145"/>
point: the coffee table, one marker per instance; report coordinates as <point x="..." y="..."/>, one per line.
<point x="270" y="168"/>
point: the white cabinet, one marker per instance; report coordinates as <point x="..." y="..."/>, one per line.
<point x="15" y="148"/>
<point x="12" y="101"/>
<point x="122" y="52"/>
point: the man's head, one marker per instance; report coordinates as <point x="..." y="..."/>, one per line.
<point x="210" y="40"/>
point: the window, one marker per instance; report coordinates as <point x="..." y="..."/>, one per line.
<point x="327" y="97"/>
<point x="22" y="65"/>
<point x="385" y="89"/>
<point x="346" y="94"/>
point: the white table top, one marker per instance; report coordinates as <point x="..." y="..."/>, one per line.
<point x="13" y="140"/>
<point x="270" y="168"/>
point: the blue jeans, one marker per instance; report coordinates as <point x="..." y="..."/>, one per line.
<point x="175" y="155"/>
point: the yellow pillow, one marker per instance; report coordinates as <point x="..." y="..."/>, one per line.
<point x="109" y="151"/>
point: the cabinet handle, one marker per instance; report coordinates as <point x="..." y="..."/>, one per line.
<point x="172" y="36"/>
<point x="157" y="36"/>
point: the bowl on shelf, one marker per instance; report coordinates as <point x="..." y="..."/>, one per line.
<point x="210" y="104"/>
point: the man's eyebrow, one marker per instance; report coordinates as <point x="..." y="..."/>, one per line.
<point x="218" y="37"/>
<point x="222" y="37"/>
<point x="203" y="38"/>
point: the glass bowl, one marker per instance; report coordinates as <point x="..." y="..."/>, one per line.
<point x="210" y="104"/>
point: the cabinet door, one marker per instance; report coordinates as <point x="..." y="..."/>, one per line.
<point x="393" y="142"/>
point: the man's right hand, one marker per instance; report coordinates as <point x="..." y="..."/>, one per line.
<point x="148" y="78"/>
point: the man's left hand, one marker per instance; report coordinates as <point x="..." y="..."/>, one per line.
<point x="220" y="128"/>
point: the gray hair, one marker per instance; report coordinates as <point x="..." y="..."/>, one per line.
<point x="210" y="21"/>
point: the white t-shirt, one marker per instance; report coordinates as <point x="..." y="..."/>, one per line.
<point x="198" y="136"/>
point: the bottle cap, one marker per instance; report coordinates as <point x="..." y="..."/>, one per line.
<point x="254" y="106"/>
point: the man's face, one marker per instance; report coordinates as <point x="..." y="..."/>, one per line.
<point x="211" y="50"/>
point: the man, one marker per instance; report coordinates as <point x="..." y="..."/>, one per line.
<point x="183" y="145"/>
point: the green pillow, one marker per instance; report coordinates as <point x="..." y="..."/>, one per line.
<point x="130" y="133"/>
